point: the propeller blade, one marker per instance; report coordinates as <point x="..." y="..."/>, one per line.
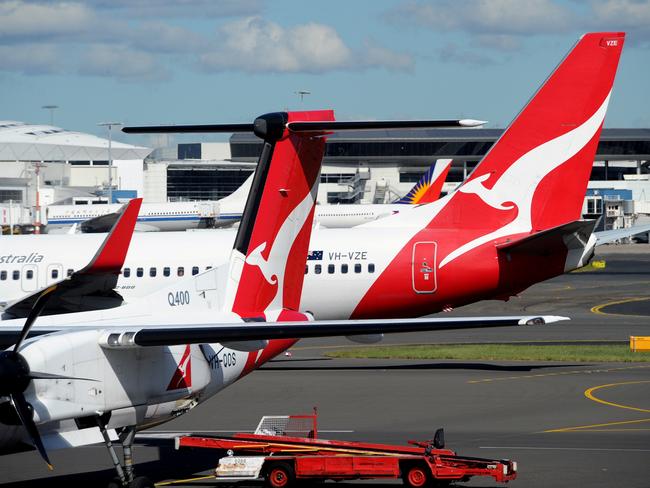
<point x="25" y="415"/>
<point x="35" y="375"/>
<point x="36" y="310"/>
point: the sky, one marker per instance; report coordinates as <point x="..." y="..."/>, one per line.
<point x="212" y="61"/>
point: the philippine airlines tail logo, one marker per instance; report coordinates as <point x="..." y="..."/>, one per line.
<point x="428" y="189"/>
<point x="183" y="375"/>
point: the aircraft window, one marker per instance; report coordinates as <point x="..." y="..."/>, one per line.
<point x="70" y="272"/>
<point x="357" y="268"/>
<point x="152" y="272"/>
<point x="208" y="267"/>
<point x="180" y="271"/>
<point x="371" y="268"/>
<point x="55" y="274"/>
<point x="167" y="271"/>
<point x="306" y="269"/>
<point x="139" y="272"/>
<point x="3" y="275"/>
<point x="29" y="274"/>
<point x="15" y="275"/>
<point x="195" y="270"/>
<point x="330" y="268"/>
<point x="344" y="268"/>
<point x="127" y="272"/>
<point x="317" y="269"/>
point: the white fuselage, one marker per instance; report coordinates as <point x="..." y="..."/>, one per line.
<point x="176" y="216"/>
<point x="343" y="264"/>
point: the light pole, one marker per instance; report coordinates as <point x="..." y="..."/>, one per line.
<point x="110" y="159"/>
<point x="51" y="108"/>
<point x="302" y="93"/>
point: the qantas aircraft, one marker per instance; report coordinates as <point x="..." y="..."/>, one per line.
<point x="513" y="223"/>
<point x="101" y="382"/>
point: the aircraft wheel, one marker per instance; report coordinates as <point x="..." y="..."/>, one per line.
<point x="280" y="476"/>
<point x="114" y="483"/>
<point x="141" y="482"/>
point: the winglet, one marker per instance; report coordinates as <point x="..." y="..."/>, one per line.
<point x="112" y="253"/>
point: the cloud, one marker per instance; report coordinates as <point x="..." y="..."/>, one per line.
<point x="257" y="45"/>
<point x="122" y="63"/>
<point x="32" y="59"/>
<point x="180" y="8"/>
<point x="99" y="32"/>
<point x="451" y="52"/>
<point x="632" y="16"/>
<point x="21" y="20"/>
<point x="501" y="17"/>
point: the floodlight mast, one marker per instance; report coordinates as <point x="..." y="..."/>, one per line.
<point x="110" y="126"/>
<point x="51" y="108"/>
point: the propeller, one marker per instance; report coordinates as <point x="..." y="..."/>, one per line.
<point x="15" y="376"/>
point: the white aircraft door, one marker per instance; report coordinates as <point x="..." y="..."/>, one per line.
<point x="423" y="266"/>
<point x="29" y="277"/>
<point x="54" y="273"/>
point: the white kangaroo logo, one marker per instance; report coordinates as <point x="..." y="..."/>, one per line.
<point x="273" y="268"/>
<point x="516" y="187"/>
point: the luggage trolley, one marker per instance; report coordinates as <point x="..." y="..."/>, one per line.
<point x="286" y="449"/>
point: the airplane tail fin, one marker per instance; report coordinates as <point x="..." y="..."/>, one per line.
<point x="428" y="188"/>
<point x="241" y="193"/>
<point x="270" y="250"/>
<point x="535" y="176"/>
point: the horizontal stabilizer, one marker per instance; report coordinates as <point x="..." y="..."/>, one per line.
<point x="92" y="287"/>
<point x="607" y="236"/>
<point x="310" y="126"/>
<point x="574" y="235"/>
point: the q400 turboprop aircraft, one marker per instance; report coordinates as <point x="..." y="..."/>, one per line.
<point x="513" y="223"/>
<point x="98" y="382"/>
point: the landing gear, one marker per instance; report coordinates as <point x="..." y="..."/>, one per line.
<point x="125" y="471"/>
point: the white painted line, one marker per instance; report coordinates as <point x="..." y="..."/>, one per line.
<point x="565" y="448"/>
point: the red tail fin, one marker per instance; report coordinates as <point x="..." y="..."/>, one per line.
<point x="268" y="264"/>
<point x="535" y="176"/>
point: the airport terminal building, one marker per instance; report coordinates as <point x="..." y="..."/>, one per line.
<point x="359" y="167"/>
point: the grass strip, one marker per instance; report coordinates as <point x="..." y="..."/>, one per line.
<point x="505" y="352"/>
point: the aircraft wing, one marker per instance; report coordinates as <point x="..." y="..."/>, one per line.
<point x="169" y="335"/>
<point x="91" y="287"/>
<point x="607" y="236"/>
<point x="161" y="335"/>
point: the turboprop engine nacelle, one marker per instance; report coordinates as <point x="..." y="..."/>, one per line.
<point x="366" y="338"/>
<point x="106" y="380"/>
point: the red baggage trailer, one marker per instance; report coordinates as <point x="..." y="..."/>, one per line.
<point x="282" y="459"/>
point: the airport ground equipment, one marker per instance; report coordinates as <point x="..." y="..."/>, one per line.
<point x="285" y="450"/>
<point x="639" y="344"/>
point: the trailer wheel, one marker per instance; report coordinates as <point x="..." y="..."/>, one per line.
<point x="416" y="476"/>
<point x="280" y="475"/>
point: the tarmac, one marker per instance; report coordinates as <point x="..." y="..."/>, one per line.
<point x="566" y="424"/>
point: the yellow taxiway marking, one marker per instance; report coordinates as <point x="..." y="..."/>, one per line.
<point x="598" y="308"/>
<point x="594" y="426"/>
<point x="188" y="480"/>
<point x="589" y="393"/>
<point x="557" y="373"/>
